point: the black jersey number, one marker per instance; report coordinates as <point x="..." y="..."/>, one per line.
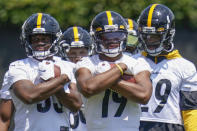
<point x="79" y="117"/>
<point x="162" y="97"/>
<point x="45" y="107"/>
<point x="122" y="100"/>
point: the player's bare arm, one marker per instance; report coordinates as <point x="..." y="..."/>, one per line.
<point x="91" y="85"/>
<point x="6" y="112"/>
<point x="70" y="100"/>
<point x="139" y="91"/>
<point x="30" y="93"/>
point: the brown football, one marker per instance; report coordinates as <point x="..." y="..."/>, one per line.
<point x="128" y="78"/>
<point x="57" y="71"/>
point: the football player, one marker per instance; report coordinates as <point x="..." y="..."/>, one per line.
<point x="42" y="87"/>
<point x="74" y="44"/>
<point x="112" y="102"/>
<point x="132" y="39"/>
<point x="173" y="105"/>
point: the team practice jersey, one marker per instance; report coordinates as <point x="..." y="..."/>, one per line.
<point x="108" y="110"/>
<point x="5" y="93"/>
<point x="78" y="121"/>
<point x="173" y="77"/>
<point x="46" y="115"/>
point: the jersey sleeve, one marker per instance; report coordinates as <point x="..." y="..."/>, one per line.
<point x="17" y="71"/>
<point x="85" y="63"/>
<point x="141" y="66"/>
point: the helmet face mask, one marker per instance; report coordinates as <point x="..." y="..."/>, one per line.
<point x="109" y="32"/>
<point x="44" y="25"/>
<point x="156" y="29"/>
<point x="75" y="43"/>
<point x="111" y="40"/>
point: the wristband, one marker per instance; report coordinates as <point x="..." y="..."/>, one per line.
<point x="121" y="71"/>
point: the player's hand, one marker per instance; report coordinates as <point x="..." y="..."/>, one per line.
<point x="102" y="67"/>
<point x="128" y="64"/>
<point x="129" y="78"/>
<point x="46" y="70"/>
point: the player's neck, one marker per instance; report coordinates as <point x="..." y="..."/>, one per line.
<point x="110" y="59"/>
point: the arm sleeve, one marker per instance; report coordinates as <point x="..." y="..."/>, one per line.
<point x="190" y="120"/>
<point x="188" y="96"/>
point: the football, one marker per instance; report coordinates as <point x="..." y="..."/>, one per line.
<point x="57" y="71"/>
<point x="128" y="78"/>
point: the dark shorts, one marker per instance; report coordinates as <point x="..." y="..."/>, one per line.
<point x="159" y="126"/>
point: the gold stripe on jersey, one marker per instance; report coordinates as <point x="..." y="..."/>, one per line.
<point x="109" y="18"/>
<point x="190" y="120"/>
<point x="150" y="15"/>
<point x="130" y="24"/>
<point x="76" y="35"/>
<point x="172" y="55"/>
<point x="39" y="20"/>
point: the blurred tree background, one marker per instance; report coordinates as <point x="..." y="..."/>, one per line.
<point x="80" y="12"/>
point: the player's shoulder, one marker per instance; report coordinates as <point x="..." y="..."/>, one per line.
<point x="19" y="63"/>
<point x="185" y="66"/>
<point x="128" y="56"/>
<point x="88" y="60"/>
<point x="185" y="62"/>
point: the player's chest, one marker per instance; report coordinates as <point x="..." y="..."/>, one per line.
<point x="165" y="77"/>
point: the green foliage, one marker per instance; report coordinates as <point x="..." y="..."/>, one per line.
<point x="81" y="12"/>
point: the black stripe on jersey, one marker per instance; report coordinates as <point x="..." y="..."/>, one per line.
<point x="159" y="126"/>
<point x="188" y="100"/>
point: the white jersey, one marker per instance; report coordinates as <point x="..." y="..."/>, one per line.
<point x="46" y="115"/>
<point x="109" y="111"/>
<point x="78" y="121"/>
<point x="169" y="78"/>
<point x="4" y="92"/>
